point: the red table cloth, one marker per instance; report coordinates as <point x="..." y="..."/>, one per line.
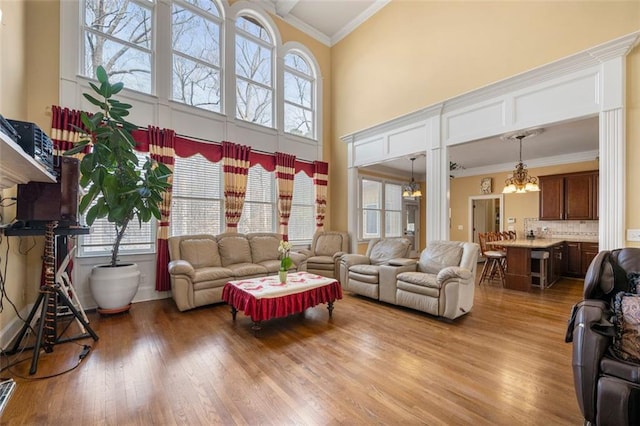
<point x="265" y="298"/>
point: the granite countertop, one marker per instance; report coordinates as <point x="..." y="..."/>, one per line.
<point x="540" y="243"/>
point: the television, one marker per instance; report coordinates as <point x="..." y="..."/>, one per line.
<point x="40" y="202"/>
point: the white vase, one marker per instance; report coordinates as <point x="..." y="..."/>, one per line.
<point x="113" y="288"/>
<point x="283" y="276"/>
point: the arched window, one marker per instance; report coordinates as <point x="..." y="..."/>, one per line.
<point x="196" y="41"/>
<point x="299" y="96"/>
<point x="118" y="35"/>
<point x="254" y="72"/>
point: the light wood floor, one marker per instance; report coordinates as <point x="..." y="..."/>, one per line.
<point x="505" y="363"/>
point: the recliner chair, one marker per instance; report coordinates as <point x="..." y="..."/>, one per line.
<point x="323" y="257"/>
<point x="607" y="387"/>
<point x="365" y="274"/>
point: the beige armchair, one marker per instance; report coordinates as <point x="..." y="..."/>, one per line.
<point x="364" y="274"/>
<point x="443" y="284"/>
<point x="327" y="247"/>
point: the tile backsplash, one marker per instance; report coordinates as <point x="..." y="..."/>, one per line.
<point x="561" y="228"/>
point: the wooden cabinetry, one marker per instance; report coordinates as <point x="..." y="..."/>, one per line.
<point x="557" y="262"/>
<point x="569" y="197"/>
<point x="587" y="252"/>
<point x="579" y="257"/>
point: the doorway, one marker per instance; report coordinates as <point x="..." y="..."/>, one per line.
<point x="411" y="224"/>
<point x="486" y="214"/>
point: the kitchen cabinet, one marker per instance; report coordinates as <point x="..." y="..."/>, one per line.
<point x="556" y="267"/>
<point x="579" y="256"/>
<point x="571" y="196"/>
<point x="587" y="252"/>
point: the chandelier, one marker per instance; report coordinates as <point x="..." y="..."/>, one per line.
<point x="520" y="182"/>
<point x="411" y="189"/>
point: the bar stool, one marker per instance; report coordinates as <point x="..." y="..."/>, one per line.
<point x="541" y="256"/>
<point x="494" y="260"/>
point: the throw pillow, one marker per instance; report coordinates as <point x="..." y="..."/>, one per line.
<point x="626" y="320"/>
<point x="634" y="282"/>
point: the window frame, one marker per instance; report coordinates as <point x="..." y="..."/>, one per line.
<point x="382" y="210"/>
<point x="312" y="79"/>
<point x="272" y="48"/>
<point x="218" y="20"/>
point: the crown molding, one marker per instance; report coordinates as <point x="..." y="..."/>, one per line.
<point x="359" y="20"/>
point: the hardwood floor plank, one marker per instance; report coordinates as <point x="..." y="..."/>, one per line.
<point x="505" y="363"/>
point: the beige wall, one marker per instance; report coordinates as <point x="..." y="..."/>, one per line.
<point x="518" y="206"/>
<point x="413" y="54"/>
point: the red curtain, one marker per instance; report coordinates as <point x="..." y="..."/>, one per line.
<point x="285" y="174"/>
<point x="64" y="129"/>
<point x="161" y="149"/>
<point x="235" y="160"/>
<point x="320" y="180"/>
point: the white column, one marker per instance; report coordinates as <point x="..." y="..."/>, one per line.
<point x="611" y="189"/>
<point x="437" y="197"/>
<point x="612" y="148"/>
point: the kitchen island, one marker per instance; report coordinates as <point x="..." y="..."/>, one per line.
<point x="518" y="273"/>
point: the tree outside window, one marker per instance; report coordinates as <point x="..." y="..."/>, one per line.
<point x="299" y="87"/>
<point x="254" y="65"/>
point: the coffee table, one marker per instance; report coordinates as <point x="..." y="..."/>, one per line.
<point x="265" y="298"/>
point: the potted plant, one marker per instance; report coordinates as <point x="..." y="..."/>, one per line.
<point x="285" y="260"/>
<point x="117" y="188"/>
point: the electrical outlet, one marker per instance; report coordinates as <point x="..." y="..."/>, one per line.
<point x="633" y="234"/>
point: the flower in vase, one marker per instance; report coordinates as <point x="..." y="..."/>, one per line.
<point x="285" y="261"/>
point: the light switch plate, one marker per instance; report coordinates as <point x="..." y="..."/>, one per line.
<point x="633" y="234"/>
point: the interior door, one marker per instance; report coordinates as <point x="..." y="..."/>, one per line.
<point x="412" y="225"/>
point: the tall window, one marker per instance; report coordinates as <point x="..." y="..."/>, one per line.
<point x="299" y="91"/>
<point x="392" y="210"/>
<point x="196" y="39"/>
<point x="197" y="198"/>
<point x="302" y="222"/>
<point x="118" y="35"/>
<point x="259" y="210"/>
<point x="371" y="205"/>
<point x="254" y="72"/>
<point x="381" y="209"/>
<point x="137" y="239"/>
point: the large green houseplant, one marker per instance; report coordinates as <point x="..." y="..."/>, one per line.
<point x="117" y="187"/>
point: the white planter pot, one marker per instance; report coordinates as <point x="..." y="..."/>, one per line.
<point x="113" y="288"/>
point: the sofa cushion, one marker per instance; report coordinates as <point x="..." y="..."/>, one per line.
<point x="264" y="247"/>
<point x="211" y="274"/>
<point x="273" y="266"/>
<point x="240" y="270"/>
<point x="327" y="245"/>
<point x="388" y="249"/>
<point x="419" y="279"/>
<point x="365" y="273"/>
<point x="438" y="255"/>
<point x="626" y="320"/>
<point x="634" y="282"/>
<point x="321" y="260"/>
<point x="234" y="249"/>
<point x="200" y="253"/>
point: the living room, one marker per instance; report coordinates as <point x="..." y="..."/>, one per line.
<point x="423" y="53"/>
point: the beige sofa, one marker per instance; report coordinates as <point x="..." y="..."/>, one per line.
<point x="200" y="265"/>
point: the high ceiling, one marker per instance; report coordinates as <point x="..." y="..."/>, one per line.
<point x="330" y="20"/>
<point x="326" y="20"/>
